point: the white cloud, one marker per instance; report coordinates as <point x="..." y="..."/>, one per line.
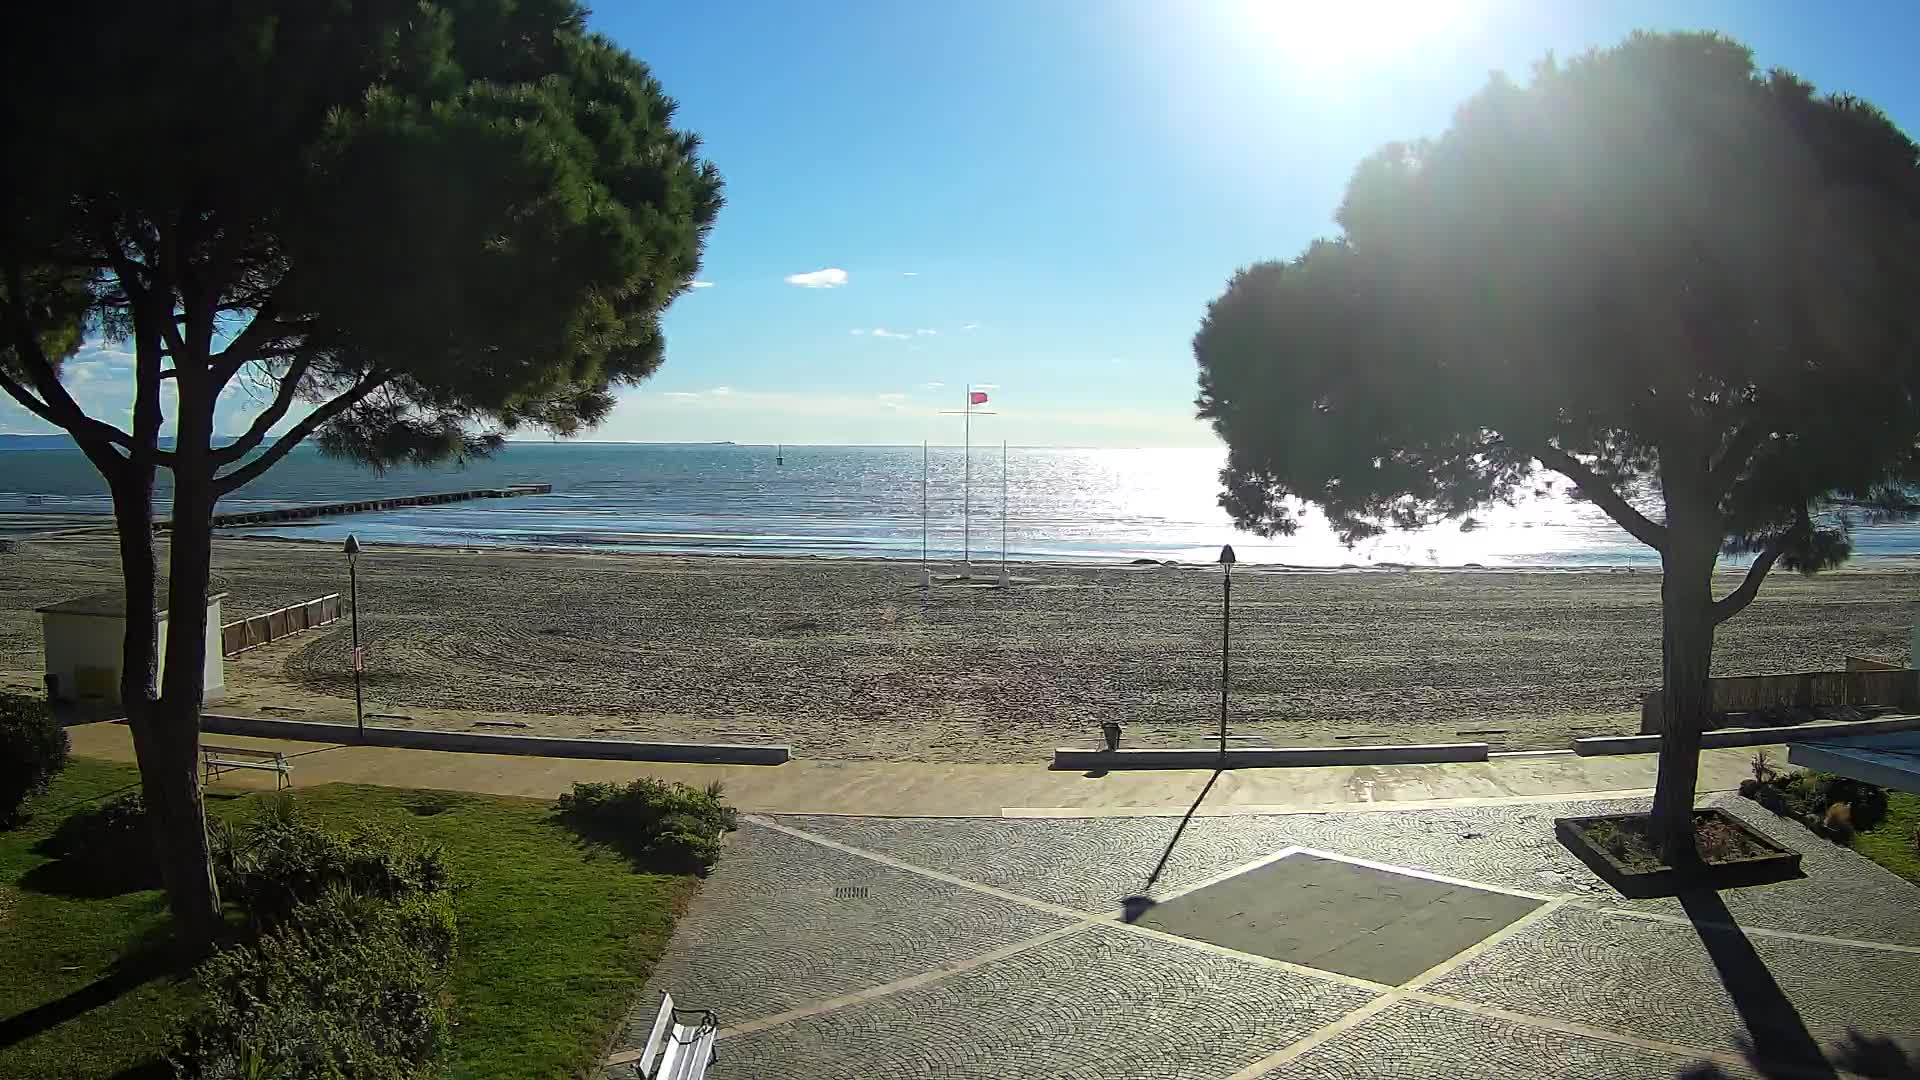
<point x="892" y="397"/>
<point x="831" y="277"/>
<point x="881" y="331"/>
<point x="703" y="285"/>
<point x="926" y="333"/>
<point x="679" y="394"/>
<point x="971" y="326"/>
<point x="909" y="273"/>
<point x="986" y="386"/>
<point x="856" y="331"/>
<point x="721" y="391"/>
<point x="932" y="385"/>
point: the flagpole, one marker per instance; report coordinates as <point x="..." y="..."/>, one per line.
<point x="1005" y="580"/>
<point x="966" y="491"/>
<point x="926" y="576"/>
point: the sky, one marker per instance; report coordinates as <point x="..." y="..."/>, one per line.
<point x="1039" y="197"/>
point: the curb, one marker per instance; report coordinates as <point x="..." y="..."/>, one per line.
<point x="1280" y="757"/>
<point x="1716" y="740"/>
<point x="475" y="743"/>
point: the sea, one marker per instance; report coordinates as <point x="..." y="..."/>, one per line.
<point x="1028" y="504"/>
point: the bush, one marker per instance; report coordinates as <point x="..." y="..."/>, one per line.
<point x="107" y="850"/>
<point x="1813" y="792"/>
<point x="1839" y="821"/>
<point x="346" y="986"/>
<point x="660" y="825"/>
<point x="279" y="862"/>
<point x="33" y="749"/>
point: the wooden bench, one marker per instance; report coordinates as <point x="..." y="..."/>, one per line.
<point x="675" y="1050"/>
<point x="215" y="760"/>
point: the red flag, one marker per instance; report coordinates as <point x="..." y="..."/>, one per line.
<point x="976" y="397"/>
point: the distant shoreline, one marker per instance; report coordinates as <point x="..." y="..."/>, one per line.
<point x="984" y="566"/>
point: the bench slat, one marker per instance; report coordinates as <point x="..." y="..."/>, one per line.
<point x="660" y="1025"/>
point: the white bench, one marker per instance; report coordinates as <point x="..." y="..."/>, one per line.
<point x="677" y="1051"/>
<point x="215" y="760"/>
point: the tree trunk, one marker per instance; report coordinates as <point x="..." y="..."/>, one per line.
<point x="173" y="785"/>
<point x="1686" y="697"/>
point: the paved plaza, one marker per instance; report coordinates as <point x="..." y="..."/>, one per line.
<point x="1443" y="943"/>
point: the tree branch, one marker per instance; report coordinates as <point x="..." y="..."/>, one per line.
<point x="308" y="424"/>
<point x="274" y="413"/>
<point x="1603" y="496"/>
<point x="1737" y="454"/>
<point x="1736" y="601"/>
<point x="55" y="405"/>
<point x="246" y="347"/>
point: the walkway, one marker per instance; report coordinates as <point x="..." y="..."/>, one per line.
<point x="1439" y="944"/>
<point x="897" y="788"/>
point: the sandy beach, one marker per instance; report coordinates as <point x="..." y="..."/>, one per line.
<point x="848" y="660"/>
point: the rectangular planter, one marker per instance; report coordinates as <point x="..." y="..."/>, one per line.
<point x="1778" y="864"/>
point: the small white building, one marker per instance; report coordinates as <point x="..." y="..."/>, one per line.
<point x="84" y="640"/>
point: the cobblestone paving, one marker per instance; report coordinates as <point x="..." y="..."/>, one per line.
<point x="1879" y="905"/>
<point x="1096" y="1005"/>
<point x="768" y="936"/>
<point x="1416" y="1041"/>
<point x="1660" y="981"/>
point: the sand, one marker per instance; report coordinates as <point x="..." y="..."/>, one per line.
<point x="848" y="660"/>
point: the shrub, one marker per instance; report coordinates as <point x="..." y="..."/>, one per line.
<point x="1839" y="821"/>
<point x="1813" y="792"/>
<point x="1763" y="770"/>
<point x="660" y="825"/>
<point x="109" y="849"/>
<point x="279" y="862"/>
<point x="346" y="986"/>
<point x="33" y="749"/>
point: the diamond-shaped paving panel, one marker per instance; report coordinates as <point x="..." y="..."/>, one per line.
<point x="1339" y="916"/>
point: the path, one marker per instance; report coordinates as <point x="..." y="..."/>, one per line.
<point x="938" y="790"/>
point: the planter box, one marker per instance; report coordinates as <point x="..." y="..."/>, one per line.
<point x="1777" y="864"/>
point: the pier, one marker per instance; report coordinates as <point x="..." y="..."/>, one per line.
<point x="361" y="506"/>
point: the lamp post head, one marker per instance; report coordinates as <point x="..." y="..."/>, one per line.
<point x="352" y="546"/>
<point x="1226" y="555"/>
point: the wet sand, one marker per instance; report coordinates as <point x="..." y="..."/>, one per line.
<point x="848" y="660"/>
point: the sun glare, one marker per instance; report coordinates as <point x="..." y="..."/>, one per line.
<point x="1328" y="33"/>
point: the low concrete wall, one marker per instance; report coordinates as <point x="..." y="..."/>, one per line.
<point x="1650" y="744"/>
<point x="1257" y="757"/>
<point x="474" y="743"/>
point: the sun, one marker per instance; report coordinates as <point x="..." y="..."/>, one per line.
<point x="1332" y="33"/>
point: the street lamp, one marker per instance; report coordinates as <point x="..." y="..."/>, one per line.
<point x="1226" y="638"/>
<point x="352" y="548"/>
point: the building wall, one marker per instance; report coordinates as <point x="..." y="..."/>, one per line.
<point x="84" y="653"/>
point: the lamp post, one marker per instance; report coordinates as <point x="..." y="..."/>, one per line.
<point x="1226" y="638"/>
<point x="352" y="548"/>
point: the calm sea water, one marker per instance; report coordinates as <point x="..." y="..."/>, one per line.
<point x="1080" y="505"/>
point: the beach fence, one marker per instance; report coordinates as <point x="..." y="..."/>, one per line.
<point x="1865" y="682"/>
<point x="253" y="632"/>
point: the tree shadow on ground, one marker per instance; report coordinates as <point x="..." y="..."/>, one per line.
<point x="159" y="956"/>
<point x="1137" y="905"/>
<point x="1778" y="1044"/>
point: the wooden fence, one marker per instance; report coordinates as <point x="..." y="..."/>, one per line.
<point x="1860" y="685"/>
<point x="249" y="633"/>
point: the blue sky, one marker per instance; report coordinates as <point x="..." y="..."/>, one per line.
<point x="1043" y="195"/>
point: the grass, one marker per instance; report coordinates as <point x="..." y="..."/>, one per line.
<point x="556" y="937"/>
<point x="1891" y="842"/>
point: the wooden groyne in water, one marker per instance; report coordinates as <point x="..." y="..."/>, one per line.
<point x="361" y="506"/>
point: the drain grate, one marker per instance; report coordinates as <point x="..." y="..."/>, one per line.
<point x="850" y="892"/>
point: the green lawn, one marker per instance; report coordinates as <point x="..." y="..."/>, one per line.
<point x="1891" y="843"/>
<point x="555" y="937"/>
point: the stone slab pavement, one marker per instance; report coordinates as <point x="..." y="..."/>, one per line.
<point x="842" y="947"/>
